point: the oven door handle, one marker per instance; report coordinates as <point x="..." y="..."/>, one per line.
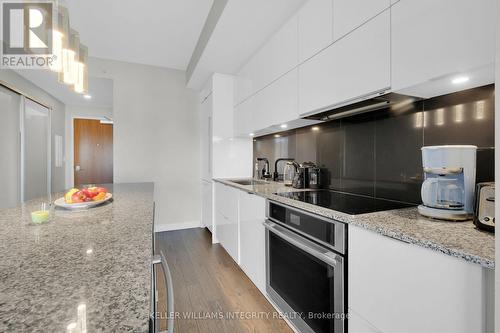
<point x="302" y="243"/>
<point x="160" y="259"/>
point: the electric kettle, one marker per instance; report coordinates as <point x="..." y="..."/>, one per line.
<point x="289" y="172"/>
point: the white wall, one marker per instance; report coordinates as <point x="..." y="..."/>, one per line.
<point x="78" y="112"/>
<point x="57" y="117"/>
<point x="156" y="137"/>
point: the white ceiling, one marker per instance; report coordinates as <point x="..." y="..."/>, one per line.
<point x="243" y="28"/>
<point x="101" y="89"/>
<point x="164" y="33"/>
<point x="152" y="32"/>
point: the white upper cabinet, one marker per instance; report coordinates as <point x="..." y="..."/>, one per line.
<point x="315" y="27"/>
<point x="432" y="39"/>
<point x="355" y="66"/>
<point x="350" y="14"/>
<point x="245" y="78"/>
<point x="277" y="103"/>
<point x="243" y="117"/>
<point x="278" y="56"/>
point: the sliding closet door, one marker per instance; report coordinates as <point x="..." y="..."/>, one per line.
<point x="35" y="181"/>
<point x="10" y="106"/>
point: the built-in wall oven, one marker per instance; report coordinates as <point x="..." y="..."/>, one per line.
<point x="305" y="266"/>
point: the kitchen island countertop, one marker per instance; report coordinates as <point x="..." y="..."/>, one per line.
<point x="90" y="268"/>
<point x="458" y="239"/>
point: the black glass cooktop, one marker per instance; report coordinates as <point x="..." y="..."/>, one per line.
<point x="344" y="202"/>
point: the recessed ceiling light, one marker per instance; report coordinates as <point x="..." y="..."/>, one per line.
<point x="460" y="79"/>
<point x="87" y="96"/>
<point x="277" y="135"/>
<point x="315" y="128"/>
<point x="283" y="125"/>
<point x="251" y="134"/>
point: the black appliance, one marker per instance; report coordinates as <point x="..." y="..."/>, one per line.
<point x="484" y="210"/>
<point x="303" y="176"/>
<point x="315" y="176"/>
<point x="344" y="202"/>
<point x="305" y="274"/>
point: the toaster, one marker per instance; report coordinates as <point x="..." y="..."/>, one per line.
<point x="484" y="212"/>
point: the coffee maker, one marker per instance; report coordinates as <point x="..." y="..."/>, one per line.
<point x="448" y="188"/>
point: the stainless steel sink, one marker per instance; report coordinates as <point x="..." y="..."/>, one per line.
<point x="249" y="181"/>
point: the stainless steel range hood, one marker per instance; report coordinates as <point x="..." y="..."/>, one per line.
<point x="390" y="100"/>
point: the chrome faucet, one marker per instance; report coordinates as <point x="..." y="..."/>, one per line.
<point x="265" y="172"/>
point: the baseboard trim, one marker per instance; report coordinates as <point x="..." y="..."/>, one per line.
<point x="177" y="226"/>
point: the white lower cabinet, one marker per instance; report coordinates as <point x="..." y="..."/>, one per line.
<point x="206" y="204"/>
<point x="252" y="238"/>
<point x="226" y="218"/>
<point x="353" y="67"/>
<point x="399" y="287"/>
<point x="242" y="235"/>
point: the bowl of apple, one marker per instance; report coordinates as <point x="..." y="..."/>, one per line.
<point x="84" y="198"/>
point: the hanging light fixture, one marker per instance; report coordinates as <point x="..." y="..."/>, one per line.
<point x="82" y="82"/>
<point x="59" y="38"/>
<point x="70" y="59"/>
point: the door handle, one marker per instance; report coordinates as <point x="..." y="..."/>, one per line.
<point x="160" y="260"/>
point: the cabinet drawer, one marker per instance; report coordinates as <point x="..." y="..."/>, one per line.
<point x="355" y="66"/>
<point x="226" y="201"/>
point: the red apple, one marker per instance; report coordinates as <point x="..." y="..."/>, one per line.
<point x="78" y="197"/>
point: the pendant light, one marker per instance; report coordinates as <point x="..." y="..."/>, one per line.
<point x="82" y="82"/>
<point x="70" y="59"/>
<point x="59" y="38"/>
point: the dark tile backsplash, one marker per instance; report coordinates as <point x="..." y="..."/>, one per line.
<point x="378" y="153"/>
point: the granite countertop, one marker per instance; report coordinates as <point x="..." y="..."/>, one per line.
<point x="458" y="239"/>
<point x="90" y="266"/>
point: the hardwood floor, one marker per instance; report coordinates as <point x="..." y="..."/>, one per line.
<point x="208" y="282"/>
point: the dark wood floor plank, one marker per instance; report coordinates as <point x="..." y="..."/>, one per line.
<point x="207" y="281"/>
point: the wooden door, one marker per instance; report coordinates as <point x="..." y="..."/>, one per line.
<point x="93" y="152"/>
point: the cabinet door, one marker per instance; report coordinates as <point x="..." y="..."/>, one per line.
<point x="350" y="14"/>
<point x="277" y="103"/>
<point x="244" y="117"/>
<point x="278" y="56"/>
<point x="206" y="205"/>
<point x="223" y="106"/>
<point x="252" y="238"/>
<point x="245" y="81"/>
<point x="454" y="37"/>
<point x="353" y="67"/>
<point x="315" y="27"/>
<point x="401" y="287"/>
<point x="226" y="199"/>
<point x="206" y="138"/>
